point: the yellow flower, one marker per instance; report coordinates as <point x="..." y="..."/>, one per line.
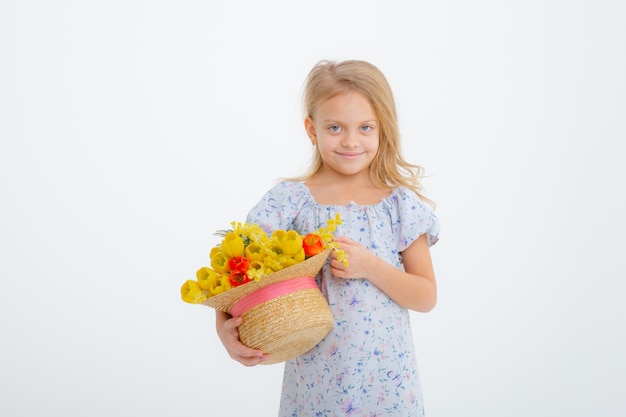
<point x="255" y="252"/>
<point x="205" y="276"/>
<point x="220" y="284"/>
<point x="265" y="253"/>
<point x="275" y="249"/>
<point x="291" y="260"/>
<point x="272" y="262"/>
<point x="299" y="256"/>
<point x="232" y="245"/>
<point x="277" y="234"/>
<point x="342" y="257"/>
<point x="192" y="293"/>
<point x="341" y="254"/>
<point x="291" y="242"/>
<point x="256" y="270"/>
<point x="219" y="261"/>
<point x="327" y="233"/>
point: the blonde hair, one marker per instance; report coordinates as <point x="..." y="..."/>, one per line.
<point x="328" y="79"/>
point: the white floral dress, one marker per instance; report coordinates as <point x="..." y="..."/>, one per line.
<point x="366" y="365"/>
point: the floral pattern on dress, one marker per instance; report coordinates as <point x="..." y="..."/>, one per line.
<point x="366" y="366"/>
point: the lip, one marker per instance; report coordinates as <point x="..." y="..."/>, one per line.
<point x="350" y="155"/>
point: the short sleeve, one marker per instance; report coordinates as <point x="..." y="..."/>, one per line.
<point x="412" y="218"/>
<point x="278" y="207"/>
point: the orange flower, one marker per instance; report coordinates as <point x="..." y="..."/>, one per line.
<point x="312" y="244"/>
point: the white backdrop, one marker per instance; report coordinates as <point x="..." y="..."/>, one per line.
<point x="132" y="130"/>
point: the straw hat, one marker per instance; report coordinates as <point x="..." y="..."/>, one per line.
<point x="285" y="326"/>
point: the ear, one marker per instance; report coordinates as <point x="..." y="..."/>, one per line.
<point x="310" y="130"/>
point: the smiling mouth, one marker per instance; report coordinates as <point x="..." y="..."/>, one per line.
<point x="350" y="155"/>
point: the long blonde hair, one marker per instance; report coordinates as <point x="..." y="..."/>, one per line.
<point x="330" y="78"/>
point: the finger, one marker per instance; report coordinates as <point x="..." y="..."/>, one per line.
<point x="337" y="264"/>
<point x="252" y="361"/>
<point x="336" y="272"/>
<point x="235" y="321"/>
<point x="241" y="352"/>
<point x="232" y="324"/>
<point x="335" y="259"/>
<point x="249" y="357"/>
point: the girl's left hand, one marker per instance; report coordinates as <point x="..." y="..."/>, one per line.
<point x="359" y="260"/>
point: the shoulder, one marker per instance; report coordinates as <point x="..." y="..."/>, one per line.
<point x="407" y="199"/>
<point x="279" y="205"/>
<point x="412" y="215"/>
<point x="287" y="191"/>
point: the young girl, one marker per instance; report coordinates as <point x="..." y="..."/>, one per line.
<point x="366" y="365"/>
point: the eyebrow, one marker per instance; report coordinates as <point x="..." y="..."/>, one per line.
<point x="370" y="121"/>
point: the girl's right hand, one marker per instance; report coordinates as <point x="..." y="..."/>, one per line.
<point x="229" y="335"/>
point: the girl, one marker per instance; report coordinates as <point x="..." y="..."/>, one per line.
<point x="366" y="365"/>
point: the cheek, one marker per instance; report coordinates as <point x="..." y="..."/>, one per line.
<point x="374" y="145"/>
<point x="326" y="143"/>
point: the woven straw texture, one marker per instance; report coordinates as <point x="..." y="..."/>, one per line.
<point x="286" y="326"/>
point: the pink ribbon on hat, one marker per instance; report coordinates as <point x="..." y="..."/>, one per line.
<point x="270" y="292"/>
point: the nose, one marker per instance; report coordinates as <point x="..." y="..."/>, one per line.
<point x="350" y="139"/>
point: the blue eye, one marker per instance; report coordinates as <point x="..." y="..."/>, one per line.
<point x="366" y="128"/>
<point x="334" y="128"/>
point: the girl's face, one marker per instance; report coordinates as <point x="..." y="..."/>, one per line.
<point x="346" y="132"/>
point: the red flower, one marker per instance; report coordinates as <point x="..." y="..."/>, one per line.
<point x="239" y="263"/>
<point x="238" y="270"/>
<point x="312" y="244"/>
<point x="237" y="278"/>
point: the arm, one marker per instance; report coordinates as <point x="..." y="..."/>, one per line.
<point x="226" y="327"/>
<point x="414" y="288"/>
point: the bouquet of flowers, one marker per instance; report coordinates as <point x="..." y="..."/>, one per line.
<point x="268" y="280"/>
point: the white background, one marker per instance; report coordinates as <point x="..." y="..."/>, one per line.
<point x="132" y="130"/>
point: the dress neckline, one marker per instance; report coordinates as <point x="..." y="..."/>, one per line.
<point x="350" y="203"/>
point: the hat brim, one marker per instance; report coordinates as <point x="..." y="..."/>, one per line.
<point x="310" y="267"/>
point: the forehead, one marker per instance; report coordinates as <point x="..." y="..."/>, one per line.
<point x="351" y="105"/>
